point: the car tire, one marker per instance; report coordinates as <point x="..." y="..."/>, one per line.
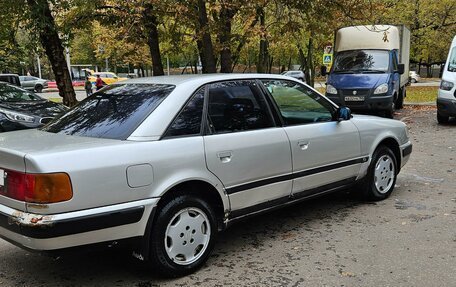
<point x="442" y="119"/>
<point x="188" y="224"/>
<point x="389" y="113"/>
<point x="38" y="88"/>
<point x="379" y="182"/>
<point x="400" y="99"/>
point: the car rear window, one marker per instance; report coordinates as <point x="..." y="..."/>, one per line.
<point x="113" y="113"/>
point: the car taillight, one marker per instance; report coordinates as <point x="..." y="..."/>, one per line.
<point x="37" y="188"/>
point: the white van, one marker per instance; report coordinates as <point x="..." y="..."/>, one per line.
<point x="446" y="99"/>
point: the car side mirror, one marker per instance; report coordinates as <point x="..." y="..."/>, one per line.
<point x="323" y="70"/>
<point x="401" y="68"/>
<point x="343" y="114"/>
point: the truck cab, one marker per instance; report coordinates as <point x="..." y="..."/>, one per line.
<point x="367" y="74"/>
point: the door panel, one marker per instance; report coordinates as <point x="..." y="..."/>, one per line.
<point x="324" y="151"/>
<point x="251" y="165"/>
<point x="331" y="153"/>
<point x="245" y="150"/>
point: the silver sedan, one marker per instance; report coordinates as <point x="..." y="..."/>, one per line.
<point x="167" y="162"/>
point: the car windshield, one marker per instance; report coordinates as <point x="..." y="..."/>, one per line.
<point x="452" y="60"/>
<point x="12" y="94"/>
<point x="361" y="61"/>
<point x="114" y="112"/>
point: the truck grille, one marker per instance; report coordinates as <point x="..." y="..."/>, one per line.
<point x="359" y="92"/>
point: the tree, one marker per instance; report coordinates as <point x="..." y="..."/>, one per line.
<point x="44" y="23"/>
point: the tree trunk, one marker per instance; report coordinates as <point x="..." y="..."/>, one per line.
<point x="40" y="13"/>
<point x="310" y="77"/>
<point x="205" y="47"/>
<point x="224" y="37"/>
<point x="150" y="23"/>
<point x="263" y="57"/>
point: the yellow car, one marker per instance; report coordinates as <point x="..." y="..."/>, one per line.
<point x="107" y="77"/>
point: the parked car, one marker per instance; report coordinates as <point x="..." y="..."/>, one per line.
<point x="414" y="77"/>
<point x="108" y="78"/>
<point x="446" y="99"/>
<point x="21" y="109"/>
<point x="295" y="74"/>
<point x="183" y="157"/>
<point x="33" y="83"/>
<point x="13" y="79"/>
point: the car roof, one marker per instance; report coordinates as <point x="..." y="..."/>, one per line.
<point x="200" y="78"/>
<point x="9" y="75"/>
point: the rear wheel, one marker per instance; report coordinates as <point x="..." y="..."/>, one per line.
<point x="442" y="119"/>
<point x="183" y="236"/>
<point x="381" y="175"/>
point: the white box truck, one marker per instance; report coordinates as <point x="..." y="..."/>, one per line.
<point x="371" y="67"/>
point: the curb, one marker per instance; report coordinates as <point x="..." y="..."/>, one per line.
<point x="420" y="104"/>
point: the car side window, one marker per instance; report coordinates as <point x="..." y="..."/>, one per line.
<point x="298" y="104"/>
<point x="188" y="122"/>
<point x="237" y="106"/>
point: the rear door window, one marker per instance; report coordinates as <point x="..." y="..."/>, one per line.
<point x="113" y="113"/>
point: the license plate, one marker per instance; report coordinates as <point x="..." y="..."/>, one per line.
<point x="2" y="177"/>
<point x="354" y="99"/>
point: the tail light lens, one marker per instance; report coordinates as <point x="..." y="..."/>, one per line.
<point x="36" y="188"/>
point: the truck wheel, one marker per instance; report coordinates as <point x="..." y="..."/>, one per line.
<point x="389" y="113"/>
<point x="381" y="176"/>
<point x="442" y="119"/>
<point x="400" y="99"/>
<point x="182" y="236"/>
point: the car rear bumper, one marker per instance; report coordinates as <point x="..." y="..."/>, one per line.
<point x="59" y="231"/>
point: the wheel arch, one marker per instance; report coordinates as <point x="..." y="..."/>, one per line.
<point x="204" y="190"/>
<point x="393" y="145"/>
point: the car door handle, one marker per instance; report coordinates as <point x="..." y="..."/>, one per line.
<point x="303" y="145"/>
<point x="225" y="156"/>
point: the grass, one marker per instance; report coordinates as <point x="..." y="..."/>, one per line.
<point x="421" y="94"/>
<point x="414" y="94"/>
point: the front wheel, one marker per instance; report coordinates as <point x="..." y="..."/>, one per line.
<point x="442" y="119"/>
<point x="381" y="175"/>
<point x="389" y="113"/>
<point x="400" y="99"/>
<point x="183" y="236"/>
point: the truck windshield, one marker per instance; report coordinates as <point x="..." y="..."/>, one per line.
<point x="452" y="60"/>
<point x="373" y="61"/>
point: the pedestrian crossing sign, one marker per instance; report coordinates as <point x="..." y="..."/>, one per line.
<point x="327" y="59"/>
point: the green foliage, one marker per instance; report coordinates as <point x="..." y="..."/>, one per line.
<point x="118" y="27"/>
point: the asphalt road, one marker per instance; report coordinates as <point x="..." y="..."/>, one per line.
<point x="407" y="240"/>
